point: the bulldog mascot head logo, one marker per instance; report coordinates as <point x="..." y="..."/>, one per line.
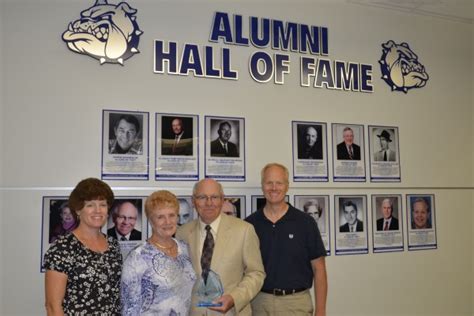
<point x="400" y="67"/>
<point x="105" y="32"/>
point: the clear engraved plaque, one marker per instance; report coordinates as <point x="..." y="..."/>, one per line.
<point x="208" y="291"/>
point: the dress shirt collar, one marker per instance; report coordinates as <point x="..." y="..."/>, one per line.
<point x="224" y="145"/>
<point x="214" y="226"/>
<point x="178" y="137"/>
<point x="119" y="236"/>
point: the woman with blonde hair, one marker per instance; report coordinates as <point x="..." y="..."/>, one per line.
<point x="157" y="276"/>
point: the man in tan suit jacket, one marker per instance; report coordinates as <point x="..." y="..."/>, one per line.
<point x="236" y="257"/>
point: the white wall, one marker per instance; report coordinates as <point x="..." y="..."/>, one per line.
<point x="472" y="148"/>
<point x="53" y="100"/>
<point x="2" y="105"/>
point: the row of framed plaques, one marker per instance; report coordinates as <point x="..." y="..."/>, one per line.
<point x="310" y="154"/>
<point x="349" y="220"/>
<point x="126" y="149"/>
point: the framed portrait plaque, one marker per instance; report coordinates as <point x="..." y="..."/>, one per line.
<point x="125" y="150"/>
<point x="177" y="147"/>
<point x="350" y="224"/>
<point x="348" y="152"/>
<point x="421" y="222"/>
<point x="225" y="148"/>
<point x="310" y="162"/>
<point x="317" y="206"/>
<point x="384" y="154"/>
<point x="387" y="228"/>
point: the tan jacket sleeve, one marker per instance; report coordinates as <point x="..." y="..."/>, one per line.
<point x="253" y="271"/>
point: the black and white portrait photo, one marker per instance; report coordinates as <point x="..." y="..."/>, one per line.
<point x="310" y="145"/>
<point x="224" y="148"/>
<point x="384" y="154"/>
<point x="351" y="214"/>
<point x="125" y="150"/>
<point x="315" y="206"/>
<point x="225" y="138"/>
<point x="186" y="210"/>
<point x="385" y="145"/>
<point x="351" y="224"/>
<point x="125" y="133"/>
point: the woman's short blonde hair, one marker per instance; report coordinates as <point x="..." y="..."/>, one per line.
<point x="159" y="200"/>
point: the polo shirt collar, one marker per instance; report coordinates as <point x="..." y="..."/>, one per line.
<point x="290" y="215"/>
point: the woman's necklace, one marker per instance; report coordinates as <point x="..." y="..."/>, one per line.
<point x="161" y="246"/>
<point x="170" y="250"/>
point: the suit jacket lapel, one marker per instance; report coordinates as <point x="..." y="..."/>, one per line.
<point x="194" y="237"/>
<point x="221" y="243"/>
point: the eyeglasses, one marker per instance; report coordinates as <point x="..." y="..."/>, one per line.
<point x="205" y="198"/>
<point x="129" y="218"/>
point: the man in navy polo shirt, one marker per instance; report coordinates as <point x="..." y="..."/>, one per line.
<point x="292" y="251"/>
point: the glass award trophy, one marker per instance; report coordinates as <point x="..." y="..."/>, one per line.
<point x="209" y="290"/>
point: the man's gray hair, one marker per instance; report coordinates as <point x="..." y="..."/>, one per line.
<point x="197" y="184"/>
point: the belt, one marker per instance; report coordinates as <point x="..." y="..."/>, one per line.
<point x="282" y="292"/>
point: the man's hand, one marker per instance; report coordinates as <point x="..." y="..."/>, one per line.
<point x="227" y="303"/>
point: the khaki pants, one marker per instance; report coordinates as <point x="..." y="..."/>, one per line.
<point x="289" y="305"/>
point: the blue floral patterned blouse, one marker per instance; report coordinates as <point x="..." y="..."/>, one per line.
<point x="156" y="284"/>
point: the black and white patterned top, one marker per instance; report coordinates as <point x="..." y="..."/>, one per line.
<point x="93" y="278"/>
